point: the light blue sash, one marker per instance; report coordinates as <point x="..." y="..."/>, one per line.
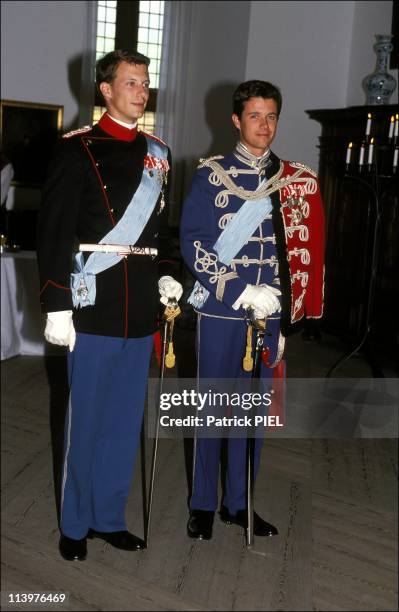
<point x="236" y="233"/>
<point x="126" y="231"/>
<point x="241" y="227"/>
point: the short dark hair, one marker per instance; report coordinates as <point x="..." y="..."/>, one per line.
<point x="255" y="89"/>
<point x="107" y="65"/>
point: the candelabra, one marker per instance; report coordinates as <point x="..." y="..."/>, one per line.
<point x="373" y="174"/>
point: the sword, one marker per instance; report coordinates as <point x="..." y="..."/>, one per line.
<point x="172" y="310"/>
<point x="260" y="326"/>
<point x="119" y="249"/>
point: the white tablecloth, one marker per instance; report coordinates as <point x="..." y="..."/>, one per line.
<point x="22" y="323"/>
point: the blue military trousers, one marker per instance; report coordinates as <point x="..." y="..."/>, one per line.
<point x="108" y="383"/>
<point x="220" y="350"/>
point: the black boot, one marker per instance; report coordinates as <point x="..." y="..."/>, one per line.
<point x="73" y="550"/>
<point x="200" y="524"/>
<point x="261" y="527"/>
<point x="124" y="540"/>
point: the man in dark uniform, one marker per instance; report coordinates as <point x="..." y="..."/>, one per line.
<point x="252" y="234"/>
<point x="105" y="197"/>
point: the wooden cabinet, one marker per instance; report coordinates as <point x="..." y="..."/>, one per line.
<point x="353" y="215"/>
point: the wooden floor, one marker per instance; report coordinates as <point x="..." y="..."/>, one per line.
<point x="334" y="502"/>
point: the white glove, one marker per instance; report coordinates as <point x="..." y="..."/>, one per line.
<point x="169" y="288"/>
<point x="262" y="298"/>
<point x="59" y="329"/>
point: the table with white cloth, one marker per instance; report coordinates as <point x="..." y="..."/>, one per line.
<point x="22" y="323"/>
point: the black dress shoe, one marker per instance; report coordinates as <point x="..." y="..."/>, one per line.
<point x="200" y="524"/>
<point x="120" y="539"/>
<point x="261" y="527"/>
<point x="73" y="550"/>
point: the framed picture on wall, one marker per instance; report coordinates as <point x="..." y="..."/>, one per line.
<point x="29" y="131"/>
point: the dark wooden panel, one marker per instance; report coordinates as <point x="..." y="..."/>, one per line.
<point x="351" y="218"/>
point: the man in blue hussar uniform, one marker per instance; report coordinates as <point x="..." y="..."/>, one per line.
<point x="106" y="198"/>
<point x="252" y="233"/>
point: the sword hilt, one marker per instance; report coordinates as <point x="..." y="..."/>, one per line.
<point x="172" y="310"/>
<point x="258" y="324"/>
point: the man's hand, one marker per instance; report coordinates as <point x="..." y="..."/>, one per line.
<point x="169" y="288"/>
<point x="59" y="329"/>
<point x="262" y="298"/>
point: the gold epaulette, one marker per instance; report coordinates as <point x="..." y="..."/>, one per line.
<point x="304" y="166"/>
<point x="81" y="130"/>
<point x="154" y="137"/>
<point x="203" y="161"/>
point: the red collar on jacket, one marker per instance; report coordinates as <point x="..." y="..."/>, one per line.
<point x="116" y="130"/>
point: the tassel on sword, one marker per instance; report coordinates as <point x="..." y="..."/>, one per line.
<point x="168" y="360"/>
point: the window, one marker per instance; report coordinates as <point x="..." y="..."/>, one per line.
<point x="150" y="36"/>
<point x="139" y="25"/>
<point x="106" y="25"/>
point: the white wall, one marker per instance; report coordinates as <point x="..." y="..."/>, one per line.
<point x="303" y="48"/>
<point x="42" y="44"/>
<point x="214" y="66"/>
<point x="370" y="18"/>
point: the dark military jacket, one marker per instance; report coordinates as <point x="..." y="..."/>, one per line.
<point x="91" y="181"/>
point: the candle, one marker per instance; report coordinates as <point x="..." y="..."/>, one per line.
<point x="368" y="126"/>
<point x="396" y="126"/>
<point x="395" y="158"/>
<point x="391" y="126"/>
<point x="370" y="156"/>
<point x="361" y="156"/>
<point x="348" y="154"/>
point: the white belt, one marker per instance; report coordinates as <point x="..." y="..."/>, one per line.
<point x="120" y="249"/>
